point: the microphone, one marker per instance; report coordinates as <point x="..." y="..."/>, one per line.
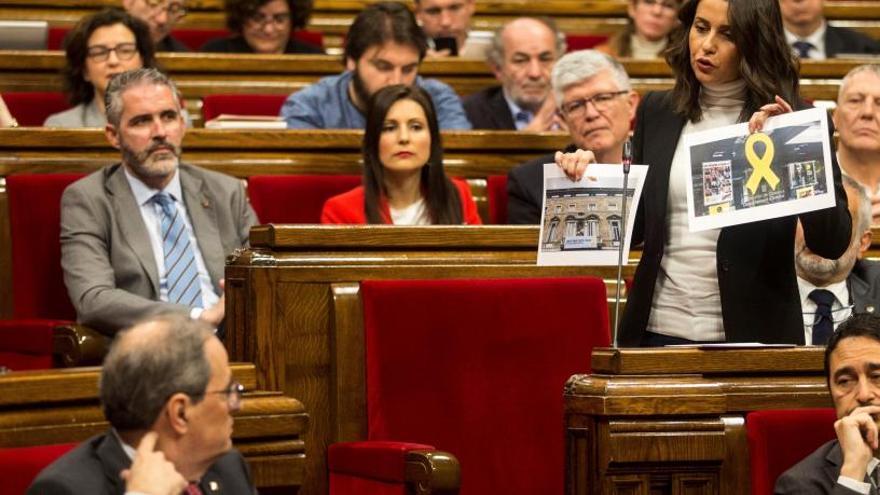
<point x="626" y="161"/>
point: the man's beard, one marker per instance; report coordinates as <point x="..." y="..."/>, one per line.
<point x="145" y="163"/>
<point x="823" y="269"/>
<point x="360" y="90"/>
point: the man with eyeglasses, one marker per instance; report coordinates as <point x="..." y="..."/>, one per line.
<point x="521" y="57"/>
<point x="168" y="393"/>
<point x="597" y="103"/>
<point x="810" y="35"/>
<point x="384" y="47"/>
<point x="161" y="16"/>
<point x="831" y="290"/>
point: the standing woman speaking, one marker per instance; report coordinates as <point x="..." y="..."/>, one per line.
<point x="735" y="284"/>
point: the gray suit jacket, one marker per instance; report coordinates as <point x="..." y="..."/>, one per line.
<point x="108" y="262"/>
<point x="816" y="474"/>
<point x="93" y="467"/>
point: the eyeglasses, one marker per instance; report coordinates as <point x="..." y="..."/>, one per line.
<point x="233" y="394"/>
<point x="175" y="10"/>
<point x="100" y="53"/>
<point x="261" y="20"/>
<point x="668" y="4"/>
<point x="602" y="102"/>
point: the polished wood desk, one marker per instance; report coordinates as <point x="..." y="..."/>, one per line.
<point x="333" y="17"/>
<point x="672" y="420"/>
<point x="198" y="75"/>
<point x="62" y="406"/>
<point x="293" y="306"/>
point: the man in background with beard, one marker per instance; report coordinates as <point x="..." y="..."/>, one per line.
<point x="832" y="290"/>
<point x="149" y="235"/>
<point x="383" y="47"/>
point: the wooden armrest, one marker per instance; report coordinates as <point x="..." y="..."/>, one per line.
<point x="78" y="345"/>
<point x="432" y="472"/>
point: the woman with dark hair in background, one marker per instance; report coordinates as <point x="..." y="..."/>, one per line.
<point x="404" y="181"/>
<point x="264" y="26"/>
<point x="100" y="46"/>
<point x="648" y="32"/>
<point x="734" y="284"/>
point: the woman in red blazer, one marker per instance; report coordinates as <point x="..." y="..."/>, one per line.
<point x="404" y="181"/>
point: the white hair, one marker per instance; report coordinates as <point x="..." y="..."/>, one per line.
<point x="577" y="67"/>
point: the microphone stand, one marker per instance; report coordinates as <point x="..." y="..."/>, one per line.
<point x="626" y="162"/>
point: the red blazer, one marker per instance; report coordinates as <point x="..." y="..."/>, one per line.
<point x="348" y="207"/>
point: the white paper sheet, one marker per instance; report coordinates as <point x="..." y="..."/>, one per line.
<point x="580" y="221"/>
<point x="738" y="178"/>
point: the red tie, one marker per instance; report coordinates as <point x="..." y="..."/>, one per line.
<point x="193" y="489"/>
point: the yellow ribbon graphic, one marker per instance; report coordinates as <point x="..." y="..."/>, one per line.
<point x="760" y="165"/>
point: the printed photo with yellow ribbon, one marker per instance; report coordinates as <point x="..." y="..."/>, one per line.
<point x="736" y="177"/>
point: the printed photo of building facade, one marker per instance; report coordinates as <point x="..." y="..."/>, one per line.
<point x="580" y="219"/>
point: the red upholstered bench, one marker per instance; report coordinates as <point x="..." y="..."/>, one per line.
<point x="40" y="301"/>
<point x="264" y="105"/>
<point x="20" y="465"/>
<point x="31" y="109"/>
<point x="475" y="368"/>
<point x="497" y="192"/>
<point x="295" y="198"/>
<point x="798" y="431"/>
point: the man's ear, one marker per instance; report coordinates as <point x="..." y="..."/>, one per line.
<point x="864" y="243"/>
<point x="834" y="117"/>
<point x="634" y="99"/>
<point x="176" y="412"/>
<point x="350" y="64"/>
<point x="112" y="135"/>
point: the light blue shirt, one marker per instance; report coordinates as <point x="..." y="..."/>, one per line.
<point x="152" y="215"/>
<point x="326" y="105"/>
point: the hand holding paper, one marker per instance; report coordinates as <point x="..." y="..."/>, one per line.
<point x="574" y="164"/>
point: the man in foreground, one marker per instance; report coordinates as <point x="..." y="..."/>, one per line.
<point x="846" y="465"/>
<point x="168" y="394"/>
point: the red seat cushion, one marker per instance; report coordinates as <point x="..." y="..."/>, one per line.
<point x="295" y="198"/>
<point x="19" y="466"/>
<point x="35" y="218"/>
<point x="801" y="431"/>
<point x="477" y="367"/>
<point x="266" y="105"/>
<point x="497" y="191"/>
<point x="576" y="42"/>
<point x="31" y="109"/>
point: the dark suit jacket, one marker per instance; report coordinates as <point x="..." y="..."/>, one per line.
<point x="487" y="109"/>
<point x="237" y="44"/>
<point x="816" y="474"/>
<point x="171" y="44"/>
<point x="842" y="40"/>
<point x="93" y="468"/>
<point x="108" y="263"/>
<point x="755" y="261"/>
<point x="864" y="286"/>
<point x="525" y="184"/>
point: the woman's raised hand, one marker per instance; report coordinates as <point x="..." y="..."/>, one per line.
<point x="778" y="107"/>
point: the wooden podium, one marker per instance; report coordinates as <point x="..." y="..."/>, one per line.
<point x="673" y="420"/>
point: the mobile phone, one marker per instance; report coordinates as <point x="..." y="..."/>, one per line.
<point x="446" y="43"/>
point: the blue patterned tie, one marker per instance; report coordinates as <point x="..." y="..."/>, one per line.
<point x="181" y="271"/>
<point x="823" y="324"/>
<point x="803" y="48"/>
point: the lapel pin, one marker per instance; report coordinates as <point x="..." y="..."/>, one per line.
<point x="214" y="486"/>
<point x="206" y="203"/>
